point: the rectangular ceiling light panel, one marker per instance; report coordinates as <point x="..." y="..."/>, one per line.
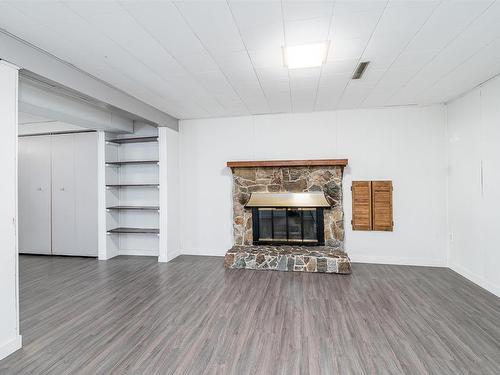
<point x="305" y="55"/>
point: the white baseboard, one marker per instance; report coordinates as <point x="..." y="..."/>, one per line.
<point x="202" y="253"/>
<point x="139" y="252"/>
<point x="109" y="256"/>
<point x="168" y="258"/>
<point x="11" y="346"/>
<point x="485" y="284"/>
<point x="397" y="261"/>
<point x="355" y="259"/>
<point x="361" y="258"/>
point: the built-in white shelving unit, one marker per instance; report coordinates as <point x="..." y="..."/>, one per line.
<point x="132" y="168"/>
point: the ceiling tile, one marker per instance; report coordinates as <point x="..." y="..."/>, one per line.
<point x="162" y="20"/>
<point x="447" y="21"/>
<point x="269" y="36"/>
<point x="240" y="77"/>
<point x="235" y="60"/>
<point x="354" y="25"/>
<point x="252" y="15"/>
<point x="304" y="10"/>
<point x="327" y="97"/>
<point x="307" y="31"/>
<point x="344" y="49"/>
<point x="303" y="100"/>
<point x="267" y="58"/>
<point x="273" y="73"/>
<point x="339" y="67"/>
<point x="257" y="105"/>
<point x="213" y="24"/>
<point x="214" y="81"/>
<point x="360" y="6"/>
<point x="198" y="62"/>
<point x="274" y="87"/>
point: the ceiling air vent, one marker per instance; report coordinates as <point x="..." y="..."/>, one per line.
<point x="360" y="70"/>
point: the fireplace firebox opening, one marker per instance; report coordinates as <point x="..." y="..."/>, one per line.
<point x="288" y="218"/>
<point x="288" y="225"/>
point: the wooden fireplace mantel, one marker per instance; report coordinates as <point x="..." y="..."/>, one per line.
<point x="287" y="163"/>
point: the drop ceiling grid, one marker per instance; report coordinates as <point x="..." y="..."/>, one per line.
<point x="350" y="31"/>
<point x="214" y="26"/>
<point x="93" y="57"/>
<point x="465" y="14"/>
<point x="418" y="16"/>
<point x="224" y="58"/>
<point x="350" y="94"/>
<point x="148" y="56"/>
<point x="253" y="76"/>
<point x="122" y="66"/>
<point x="446" y="72"/>
<point x="201" y="98"/>
<point x="329" y="36"/>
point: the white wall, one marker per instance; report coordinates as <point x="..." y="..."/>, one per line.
<point x="169" y="197"/>
<point x="474" y="180"/>
<point x="173" y="193"/>
<point x="406" y="145"/>
<point x="10" y="340"/>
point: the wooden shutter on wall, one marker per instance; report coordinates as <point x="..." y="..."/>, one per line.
<point x="382" y="205"/>
<point x="361" y="205"/>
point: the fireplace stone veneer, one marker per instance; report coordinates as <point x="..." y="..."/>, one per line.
<point x="288" y="258"/>
<point x="309" y="177"/>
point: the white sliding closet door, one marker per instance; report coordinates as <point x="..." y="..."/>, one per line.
<point x="86" y="207"/>
<point x="63" y="195"/>
<point x="58" y="194"/>
<point x="34" y="194"/>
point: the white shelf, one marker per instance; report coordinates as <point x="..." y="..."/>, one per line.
<point x="132" y="195"/>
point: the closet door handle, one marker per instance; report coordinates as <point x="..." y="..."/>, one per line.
<point x="62" y="189"/>
<point x="39" y="188"/>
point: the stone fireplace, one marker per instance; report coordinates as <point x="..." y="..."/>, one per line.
<point x="288" y="215"/>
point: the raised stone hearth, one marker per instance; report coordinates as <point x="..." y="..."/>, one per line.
<point x="324" y="259"/>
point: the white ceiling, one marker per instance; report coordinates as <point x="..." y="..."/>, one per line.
<point x="217" y="58"/>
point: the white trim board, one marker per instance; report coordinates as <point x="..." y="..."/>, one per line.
<point x="397" y="261"/>
<point x="163" y="195"/>
<point x="169" y="258"/>
<point x="101" y="197"/>
<point x="9" y="206"/>
<point x="203" y="253"/>
<point x="356" y="259"/>
<point x="9" y="347"/>
<point x="475" y="279"/>
<point x="138" y="252"/>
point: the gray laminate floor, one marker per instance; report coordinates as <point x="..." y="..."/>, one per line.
<point x="131" y="315"/>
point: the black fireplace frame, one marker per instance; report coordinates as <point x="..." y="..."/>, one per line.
<point x="320" y="228"/>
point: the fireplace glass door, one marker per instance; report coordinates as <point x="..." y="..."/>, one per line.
<point x="302" y="226"/>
